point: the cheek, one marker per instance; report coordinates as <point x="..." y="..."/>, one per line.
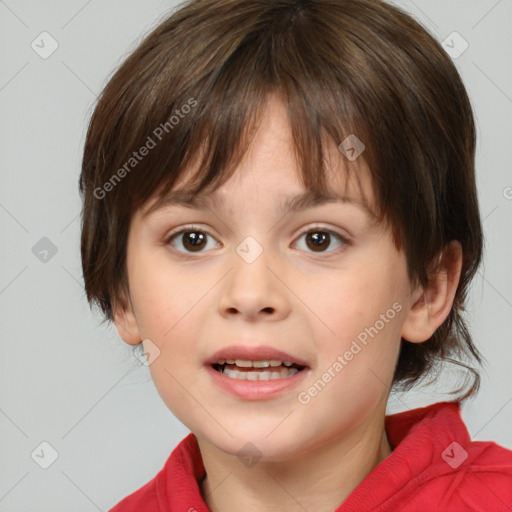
<point x="363" y="310"/>
<point x="352" y="302"/>
<point x="172" y="321"/>
<point x="158" y="293"/>
<point x="168" y="305"/>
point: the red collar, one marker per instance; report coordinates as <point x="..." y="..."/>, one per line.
<point x="418" y="437"/>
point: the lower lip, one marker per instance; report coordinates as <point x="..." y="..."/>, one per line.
<point x="257" y="389"/>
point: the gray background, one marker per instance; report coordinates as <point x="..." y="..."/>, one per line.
<point x="66" y="380"/>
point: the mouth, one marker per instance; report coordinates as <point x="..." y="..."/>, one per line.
<point x="256" y="372"/>
<point x="244" y="369"/>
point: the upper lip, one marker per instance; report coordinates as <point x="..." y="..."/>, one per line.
<point x="259" y="353"/>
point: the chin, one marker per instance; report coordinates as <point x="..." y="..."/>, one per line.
<point x="256" y="446"/>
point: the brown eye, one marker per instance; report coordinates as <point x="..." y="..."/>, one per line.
<point x="319" y="240"/>
<point x="195" y="240"/>
<point x="192" y="239"/>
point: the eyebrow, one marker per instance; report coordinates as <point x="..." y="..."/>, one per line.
<point x="287" y="205"/>
<point x="309" y="199"/>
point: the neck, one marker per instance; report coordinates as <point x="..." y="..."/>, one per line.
<point x="318" y="480"/>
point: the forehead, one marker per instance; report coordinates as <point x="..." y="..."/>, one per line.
<point x="286" y="203"/>
<point x="271" y="158"/>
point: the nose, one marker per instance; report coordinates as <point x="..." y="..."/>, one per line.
<point x="254" y="290"/>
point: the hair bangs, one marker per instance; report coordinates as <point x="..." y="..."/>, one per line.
<point x="231" y="106"/>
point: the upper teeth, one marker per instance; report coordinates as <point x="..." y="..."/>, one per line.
<point x="242" y="363"/>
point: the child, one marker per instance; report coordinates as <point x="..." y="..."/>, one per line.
<point x="280" y="205"/>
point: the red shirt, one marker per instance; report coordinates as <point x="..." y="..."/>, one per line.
<point x="434" y="467"/>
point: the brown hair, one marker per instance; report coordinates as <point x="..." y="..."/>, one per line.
<point x="197" y="84"/>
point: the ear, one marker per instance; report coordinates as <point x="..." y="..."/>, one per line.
<point x="432" y="305"/>
<point x="125" y="322"/>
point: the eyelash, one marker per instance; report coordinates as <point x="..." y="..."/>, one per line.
<point x="311" y="229"/>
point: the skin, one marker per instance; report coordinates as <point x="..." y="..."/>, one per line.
<point x="190" y="308"/>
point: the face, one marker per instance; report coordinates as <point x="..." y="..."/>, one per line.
<point x="324" y="284"/>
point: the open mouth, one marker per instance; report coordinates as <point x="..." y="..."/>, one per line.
<point x="256" y="370"/>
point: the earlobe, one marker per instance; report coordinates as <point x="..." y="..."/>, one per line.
<point x="126" y="323"/>
<point x="432" y="305"/>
